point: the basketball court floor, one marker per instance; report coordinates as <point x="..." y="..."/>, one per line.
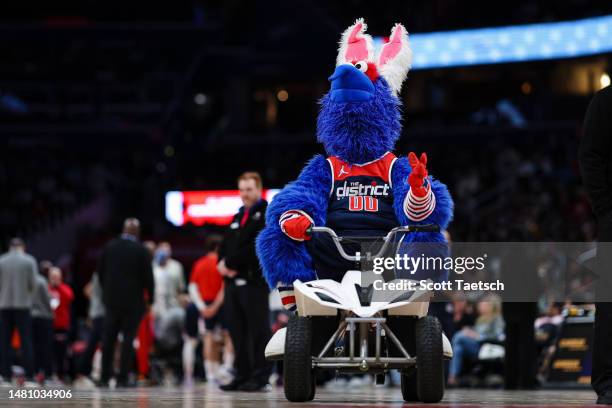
<point x="367" y="396"/>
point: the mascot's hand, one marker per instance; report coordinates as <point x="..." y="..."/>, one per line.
<point x="295" y="223"/>
<point x="418" y="174"/>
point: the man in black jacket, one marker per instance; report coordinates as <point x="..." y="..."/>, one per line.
<point x="246" y="292"/>
<point x="596" y="167"/>
<point x="126" y="277"/>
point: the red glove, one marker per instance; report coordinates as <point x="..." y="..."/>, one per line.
<point x="418" y="174"/>
<point x="294" y="224"/>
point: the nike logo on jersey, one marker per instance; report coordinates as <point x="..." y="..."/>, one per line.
<point x="342" y="172"/>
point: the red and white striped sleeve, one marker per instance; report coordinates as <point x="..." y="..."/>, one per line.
<point x="291" y="215"/>
<point x="419" y="208"/>
<point x="287" y="296"/>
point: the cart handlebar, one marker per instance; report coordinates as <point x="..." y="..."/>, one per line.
<point x="386" y="239"/>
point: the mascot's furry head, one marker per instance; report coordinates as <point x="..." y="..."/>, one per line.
<point x="360" y="116"/>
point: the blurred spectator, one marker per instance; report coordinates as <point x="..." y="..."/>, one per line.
<point x="151" y="246"/>
<point x="169" y="280"/>
<point x="126" y="277"/>
<point x="547" y="328"/>
<point x="44" y="267"/>
<point x="61" y="301"/>
<point x="206" y="293"/>
<point x="595" y="162"/>
<point x="145" y="329"/>
<point x="42" y="327"/>
<point x="93" y="291"/>
<point x="280" y="318"/>
<point x="166" y="356"/>
<point x="146" y="338"/>
<point x="246" y="292"/>
<point x="463" y="314"/>
<point x="18" y="272"/>
<point x="467" y="342"/>
<point x="169" y="287"/>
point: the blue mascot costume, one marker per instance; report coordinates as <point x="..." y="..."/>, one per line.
<point x="361" y="188"/>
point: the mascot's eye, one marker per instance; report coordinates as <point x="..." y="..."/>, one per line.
<point x="361" y="65"/>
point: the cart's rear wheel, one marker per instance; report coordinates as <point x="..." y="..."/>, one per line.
<point x="430" y="362"/>
<point x="298" y="373"/>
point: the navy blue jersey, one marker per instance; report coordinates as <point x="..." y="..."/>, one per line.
<point x="360" y="205"/>
<point x="361" y="197"/>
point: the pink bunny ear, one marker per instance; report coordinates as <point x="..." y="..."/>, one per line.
<point x="395" y="58"/>
<point x="355" y="45"/>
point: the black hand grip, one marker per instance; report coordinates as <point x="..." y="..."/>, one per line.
<point x="425" y="228"/>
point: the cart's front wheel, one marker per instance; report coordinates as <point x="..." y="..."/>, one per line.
<point x="409" y="386"/>
<point x="297" y="370"/>
<point x="430" y="362"/>
<point x="313" y="387"/>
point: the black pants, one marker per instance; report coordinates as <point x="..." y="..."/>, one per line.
<point x="601" y="376"/>
<point x="20" y="319"/>
<point x="60" y="349"/>
<point x="247" y="314"/>
<point x="126" y="322"/>
<point x="519" y="364"/>
<point x="42" y="338"/>
<point x="328" y="263"/>
<point x="95" y="337"/>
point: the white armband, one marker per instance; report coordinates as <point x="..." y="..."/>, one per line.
<point x="194" y="294"/>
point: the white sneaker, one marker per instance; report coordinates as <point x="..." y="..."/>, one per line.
<point x="84" y="383"/>
<point x="30" y="384"/>
<point x="337" y="383"/>
<point x="54" y="382"/>
<point x="360" y="381"/>
<point x="188" y="382"/>
<point x="274" y="377"/>
<point x="224" y="375"/>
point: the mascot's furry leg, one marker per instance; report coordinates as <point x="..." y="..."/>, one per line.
<point x="284" y="260"/>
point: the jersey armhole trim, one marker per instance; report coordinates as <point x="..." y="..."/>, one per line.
<point x="331" y="168"/>
<point x="391" y="171"/>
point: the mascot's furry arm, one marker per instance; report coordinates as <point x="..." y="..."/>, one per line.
<point x="284" y="260"/>
<point x="439" y="213"/>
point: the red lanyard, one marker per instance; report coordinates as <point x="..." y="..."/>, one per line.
<point x="245" y="216"/>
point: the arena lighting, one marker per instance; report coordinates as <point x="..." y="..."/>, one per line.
<point x="205" y="206"/>
<point x="200" y="99"/>
<point x="282" y="95"/>
<point x="520" y="43"/>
